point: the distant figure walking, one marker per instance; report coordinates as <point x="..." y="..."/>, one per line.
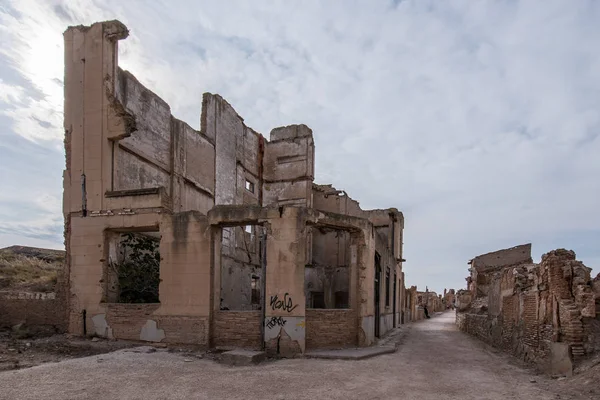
<point x="426" y="312"/>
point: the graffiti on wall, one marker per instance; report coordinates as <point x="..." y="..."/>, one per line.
<point x="285" y="304"/>
<point x="274" y="321"/>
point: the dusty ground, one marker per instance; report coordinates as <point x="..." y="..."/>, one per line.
<point x="434" y="362"/>
<point x="17" y="351"/>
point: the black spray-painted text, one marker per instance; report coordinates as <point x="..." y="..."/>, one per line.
<point x="285" y="304"/>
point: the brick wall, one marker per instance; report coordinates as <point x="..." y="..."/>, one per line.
<point x="331" y="328"/>
<point x="531" y="306"/>
<point x="237" y="328"/>
<point x="510" y="318"/>
<point x="127" y="320"/>
<point x="478" y="326"/>
<point x="529" y="317"/>
<point x="184" y="329"/>
<point x="34" y="309"/>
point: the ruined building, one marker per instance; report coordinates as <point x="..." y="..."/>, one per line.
<point x="547" y="313"/>
<point x="431" y="299"/>
<point x="449" y="299"/>
<point x="216" y="237"/>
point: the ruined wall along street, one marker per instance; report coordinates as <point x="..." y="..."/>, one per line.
<point x="547" y="313"/>
<point x="240" y="247"/>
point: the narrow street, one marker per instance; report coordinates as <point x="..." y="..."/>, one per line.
<point x="436" y="361"/>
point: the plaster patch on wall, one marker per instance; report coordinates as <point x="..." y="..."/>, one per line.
<point x="387" y="323"/>
<point x="294" y="327"/>
<point x="151" y="333"/>
<point x="101" y="327"/>
<point x="368" y="330"/>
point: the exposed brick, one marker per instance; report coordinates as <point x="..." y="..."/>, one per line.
<point x="524" y="308"/>
<point x="331" y="328"/>
<point x="237" y="328"/>
<point x="127" y="320"/>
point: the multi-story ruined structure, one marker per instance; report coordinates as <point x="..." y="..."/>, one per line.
<point x="431" y="299"/>
<point x="548" y="313"/>
<point x="449" y="299"/>
<point x="210" y="237"/>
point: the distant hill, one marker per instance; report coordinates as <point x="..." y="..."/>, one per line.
<point x="29" y="269"/>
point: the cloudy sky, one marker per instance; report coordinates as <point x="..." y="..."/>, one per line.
<point x="478" y="119"/>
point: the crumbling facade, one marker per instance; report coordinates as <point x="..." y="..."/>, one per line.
<point x="545" y="313"/>
<point x="431" y="300"/>
<point x="449" y="299"/>
<point x="216" y="237"/>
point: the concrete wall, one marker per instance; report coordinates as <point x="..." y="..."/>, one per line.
<point x="184" y="289"/>
<point x="121" y="136"/>
<point x="238" y="155"/>
<point x="289" y="167"/>
<point x="130" y="164"/>
<point x="133" y="167"/>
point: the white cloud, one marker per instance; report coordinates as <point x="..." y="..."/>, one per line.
<point x="478" y="119"/>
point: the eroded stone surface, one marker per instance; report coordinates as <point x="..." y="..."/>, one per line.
<point x="544" y="313"/>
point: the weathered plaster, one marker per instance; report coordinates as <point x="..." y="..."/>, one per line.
<point x="101" y="327"/>
<point x="294" y="327"/>
<point x="151" y="333"/>
<point x="367" y="331"/>
<point x="144" y="170"/>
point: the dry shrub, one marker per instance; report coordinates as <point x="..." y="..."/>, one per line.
<point x="22" y="272"/>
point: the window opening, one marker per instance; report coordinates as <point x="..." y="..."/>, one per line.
<point x="133" y="270"/>
<point x="327" y="273"/>
<point x="241" y="268"/>
<point x="317" y="300"/>
<point x="255" y="286"/>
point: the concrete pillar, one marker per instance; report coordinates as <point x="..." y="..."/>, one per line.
<point x="366" y="287"/>
<point x="90" y="70"/>
<point x="285" y="324"/>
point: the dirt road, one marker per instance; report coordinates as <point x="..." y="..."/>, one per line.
<point x="434" y="362"/>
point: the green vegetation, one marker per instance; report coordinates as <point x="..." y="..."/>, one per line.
<point x="138" y="269"/>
